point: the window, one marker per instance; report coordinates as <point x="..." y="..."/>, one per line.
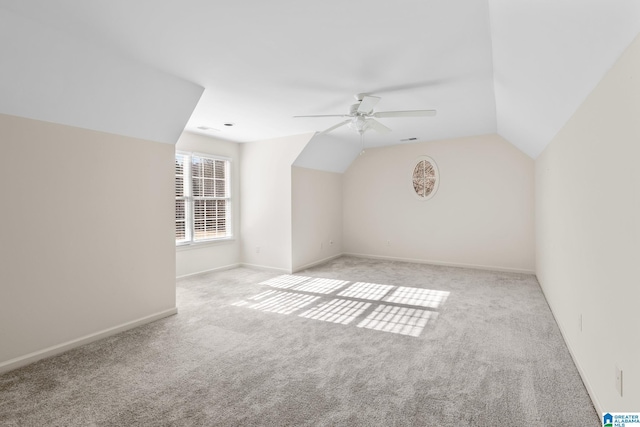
<point x="425" y="178"/>
<point x="203" y="202"/>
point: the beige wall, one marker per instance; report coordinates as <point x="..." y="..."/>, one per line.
<point x="588" y="233"/>
<point x="265" y="200"/>
<point x="482" y="214"/>
<point x="217" y="255"/>
<point x="316" y="219"/>
<point x="87" y="236"/>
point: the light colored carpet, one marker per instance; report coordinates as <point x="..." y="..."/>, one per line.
<point x="455" y="347"/>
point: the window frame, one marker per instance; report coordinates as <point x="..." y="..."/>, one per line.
<point x="188" y="196"/>
<point x="436" y="170"/>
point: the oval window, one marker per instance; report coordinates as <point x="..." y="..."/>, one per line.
<point x="424" y="178"/>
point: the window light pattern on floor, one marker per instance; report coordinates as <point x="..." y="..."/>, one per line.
<point x="396" y="309"/>
<point x="321" y="286"/>
<point x="368" y="291"/>
<point x="281" y="302"/>
<point x="285" y="281"/>
<point x="255" y="298"/>
<point x="417" y="296"/>
<point x="398" y="320"/>
<point x="337" y="311"/>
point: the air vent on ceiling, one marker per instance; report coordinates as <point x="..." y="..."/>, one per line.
<point x="207" y="129"/>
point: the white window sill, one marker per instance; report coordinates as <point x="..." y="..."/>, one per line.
<point x="204" y="244"/>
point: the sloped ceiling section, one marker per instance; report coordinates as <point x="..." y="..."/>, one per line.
<point x="329" y="153"/>
<point x="548" y="56"/>
<point x="47" y="75"/>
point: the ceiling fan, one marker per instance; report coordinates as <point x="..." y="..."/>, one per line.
<point x="362" y="118"/>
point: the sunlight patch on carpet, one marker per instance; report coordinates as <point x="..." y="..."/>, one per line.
<point x="387" y="308"/>
<point x="398" y="320"/>
<point x="368" y="291"/>
<point x="281" y="302"/>
<point x="285" y="281"/>
<point x="321" y="286"/>
<point x="417" y="296"/>
<point x="337" y="311"/>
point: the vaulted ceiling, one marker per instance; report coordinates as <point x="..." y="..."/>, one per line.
<point x="518" y="68"/>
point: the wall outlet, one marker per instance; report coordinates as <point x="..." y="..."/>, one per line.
<point x="388" y="242"/>
<point x="619" y="382"/>
<point x="257" y="249"/>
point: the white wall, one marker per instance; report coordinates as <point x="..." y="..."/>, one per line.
<point x="482" y="214"/>
<point x="87" y="236"/>
<point x="316" y="218"/>
<point x="223" y="254"/>
<point x="265" y="200"/>
<point x="588" y="233"/>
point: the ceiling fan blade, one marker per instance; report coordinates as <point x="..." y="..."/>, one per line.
<point x="323" y="115"/>
<point x="376" y="125"/>
<point x="410" y="113"/>
<point x="334" y="127"/>
<point x="367" y="104"/>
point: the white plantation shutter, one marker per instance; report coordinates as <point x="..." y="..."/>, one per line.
<point x="182" y="229"/>
<point x="207" y="201"/>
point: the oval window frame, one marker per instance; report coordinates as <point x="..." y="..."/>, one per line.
<point x="437" y="178"/>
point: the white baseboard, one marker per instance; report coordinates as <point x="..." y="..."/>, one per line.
<point x="224" y="267"/>
<point x="314" y="263"/>
<point x="389" y="258"/>
<point x="232" y="266"/>
<point x="443" y="263"/>
<point x="369" y="256"/>
<point x="266" y="267"/>
<point x="585" y="380"/>
<point x="27" y="359"/>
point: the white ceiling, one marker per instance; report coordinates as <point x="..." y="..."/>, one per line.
<point x="516" y="67"/>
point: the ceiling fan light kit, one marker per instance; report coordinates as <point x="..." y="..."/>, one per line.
<point x="362" y="118"/>
<point x="359" y="124"/>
